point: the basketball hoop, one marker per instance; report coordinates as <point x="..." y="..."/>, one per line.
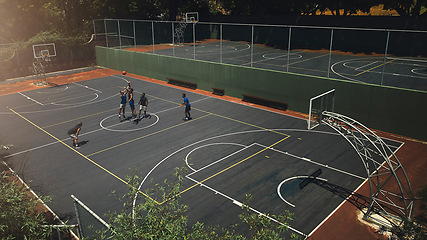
<point x="44" y="51"/>
<point x="45" y="55"/>
<point x="192" y="17"/>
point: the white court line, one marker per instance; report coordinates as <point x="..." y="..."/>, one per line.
<point x="179" y="106"/>
<point x="364" y="66"/>
<point x="68" y="104"/>
<point x="15" y="174"/>
<point x="87" y="133"/>
<point x="122" y="78"/>
<point x="273" y="58"/>
<point x="313" y="162"/>
<point x="336" y="209"/>
<point x="87" y="87"/>
<point x="30" y="99"/>
<point x="286" y="180"/>
<point x="217" y="161"/>
<point x="252" y="209"/>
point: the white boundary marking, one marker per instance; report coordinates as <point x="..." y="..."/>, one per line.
<point x="252" y="209"/>
<point x="219" y="136"/>
<point x="84" y="86"/>
<point x="348" y="61"/>
<point x="69" y="104"/>
<point x="288" y="179"/>
<point x="207" y="145"/>
<point x="56" y="90"/>
<point x="32" y="192"/>
<point x="267" y="59"/>
<point x="56" y="109"/>
<point x="364" y="66"/>
<point x="313" y="162"/>
<point x="128" y="121"/>
<point x="25" y="96"/>
<point x="336" y="209"/>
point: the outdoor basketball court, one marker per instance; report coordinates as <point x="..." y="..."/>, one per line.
<point x="410" y="73"/>
<point x="229" y="149"/>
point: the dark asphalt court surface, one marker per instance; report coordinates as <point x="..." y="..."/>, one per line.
<point x="229" y="149"/>
<point x="401" y="72"/>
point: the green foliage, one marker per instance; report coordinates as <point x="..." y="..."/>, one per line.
<point x="19" y="218"/>
<point x="149" y="219"/>
<point x="166" y="219"/>
<point x="421" y="217"/>
<point x="417" y="229"/>
<point x="56" y="37"/>
<point x="405" y="8"/>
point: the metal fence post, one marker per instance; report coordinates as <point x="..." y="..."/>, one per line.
<point x="79" y="230"/>
<point x="120" y="38"/>
<point x="194" y="40"/>
<point x="152" y="35"/>
<point x="220" y="42"/>
<point x="252" y="46"/>
<point x="134" y="34"/>
<point x="385" y="57"/>
<point x="106" y="33"/>
<point x="330" y="50"/>
<point x="173" y="39"/>
<point x="94" y="28"/>
<point x="289" y="48"/>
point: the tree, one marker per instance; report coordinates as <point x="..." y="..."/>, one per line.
<point x="167" y="220"/>
<point x="19" y="218"/>
<point x="407" y="7"/>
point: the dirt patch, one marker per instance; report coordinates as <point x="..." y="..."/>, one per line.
<point x="21" y="86"/>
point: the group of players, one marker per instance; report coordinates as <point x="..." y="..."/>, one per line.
<point x="127" y="96"/>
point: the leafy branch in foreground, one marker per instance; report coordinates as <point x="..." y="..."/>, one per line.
<point x="166" y="219"/>
<point x="19" y="218"/>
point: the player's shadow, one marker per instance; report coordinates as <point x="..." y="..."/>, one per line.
<point x="126" y="119"/>
<point x="137" y="120"/>
<point x="81" y="143"/>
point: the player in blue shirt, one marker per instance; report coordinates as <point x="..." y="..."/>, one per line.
<point x="187" y="107"/>
<point x="122" y="104"/>
<point x="131" y="102"/>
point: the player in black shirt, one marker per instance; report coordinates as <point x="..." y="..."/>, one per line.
<point x="143" y="104"/>
<point x="74" y="133"/>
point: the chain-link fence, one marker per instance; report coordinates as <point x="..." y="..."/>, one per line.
<point x="378" y="56"/>
<point x="91" y="226"/>
<point x="17" y="59"/>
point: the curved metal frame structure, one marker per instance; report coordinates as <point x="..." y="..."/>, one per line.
<point x="381" y="165"/>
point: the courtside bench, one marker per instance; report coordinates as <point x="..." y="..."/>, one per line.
<point x="218" y="91"/>
<point x="265" y="102"/>
<point x="182" y="83"/>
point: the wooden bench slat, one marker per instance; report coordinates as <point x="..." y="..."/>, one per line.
<point x="265" y="102"/>
<point x="218" y="91"/>
<point x="182" y="83"/>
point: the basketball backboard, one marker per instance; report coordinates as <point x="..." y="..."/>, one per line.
<point x="319" y="104"/>
<point x="44" y="50"/>
<point x="192" y="17"/>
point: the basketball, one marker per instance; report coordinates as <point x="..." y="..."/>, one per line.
<point x="124" y="72"/>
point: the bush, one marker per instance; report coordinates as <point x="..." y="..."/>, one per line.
<point x="151" y="220"/>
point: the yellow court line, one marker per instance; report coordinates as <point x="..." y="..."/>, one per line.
<point x="148" y="135"/>
<point x="245" y="123"/>
<point x="221" y="116"/>
<point x="308" y="59"/>
<point x="228" y="168"/>
<point x="85" y="157"/>
<point x="382" y="64"/>
<point x="75" y="119"/>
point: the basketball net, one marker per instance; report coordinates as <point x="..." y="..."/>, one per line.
<point x="46" y="57"/>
